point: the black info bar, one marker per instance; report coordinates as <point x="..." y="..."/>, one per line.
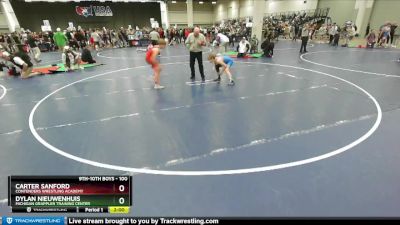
<point x="138" y="221"/>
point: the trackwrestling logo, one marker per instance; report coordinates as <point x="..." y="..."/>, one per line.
<point x="22" y="220"/>
<point x="87" y="11"/>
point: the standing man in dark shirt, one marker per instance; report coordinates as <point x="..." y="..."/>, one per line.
<point x="16" y="38"/>
<point x="2" y="39"/>
<point x="124" y="37"/>
<point x="3" y="43"/>
<point x="368" y="29"/>
<point x="80" y="38"/>
<point x="305" y="32"/>
<point x="393" y="27"/>
<point x="68" y="35"/>
<point x="51" y="35"/>
<point x="9" y="41"/>
<point x="296" y="32"/>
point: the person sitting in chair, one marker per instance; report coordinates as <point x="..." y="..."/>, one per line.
<point x="268" y="48"/>
<point x="87" y="56"/>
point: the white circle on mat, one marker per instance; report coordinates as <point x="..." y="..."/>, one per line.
<point x="4" y="91"/>
<point x="211" y="172"/>
<point x="341" y="68"/>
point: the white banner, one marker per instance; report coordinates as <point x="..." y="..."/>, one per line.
<point x="46" y="28"/>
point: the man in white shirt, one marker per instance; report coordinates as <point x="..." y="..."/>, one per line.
<point x="71" y="59"/>
<point x="223" y="42"/>
<point x="96" y="39"/>
<point x="350" y="32"/>
<point x="243" y="48"/>
<point x="332" y="31"/>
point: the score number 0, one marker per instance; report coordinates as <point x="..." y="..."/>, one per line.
<point x="121" y="200"/>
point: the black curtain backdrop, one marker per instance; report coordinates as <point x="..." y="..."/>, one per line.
<point x="31" y="14"/>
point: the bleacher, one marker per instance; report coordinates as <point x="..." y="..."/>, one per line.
<point x="301" y="17"/>
<point x="274" y="23"/>
<point x="274" y="20"/>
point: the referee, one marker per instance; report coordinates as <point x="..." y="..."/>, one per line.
<point x="195" y="42"/>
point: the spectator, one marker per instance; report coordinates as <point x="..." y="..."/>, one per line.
<point x="243" y="48"/>
<point x="268" y="48"/>
<point x="222" y="41"/>
<point x="371" y="39"/>
<point x="59" y="39"/>
<point x="332" y="31"/>
<point x="35" y="49"/>
<point x="154" y="36"/>
<point x="393" y="27"/>
<point x="96" y="39"/>
<point x="87" y="56"/>
<point x="367" y="30"/>
<point x="304" y="38"/>
<point x="71" y="59"/>
<point x="254" y="45"/>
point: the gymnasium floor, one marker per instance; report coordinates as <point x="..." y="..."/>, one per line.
<point x="316" y="135"/>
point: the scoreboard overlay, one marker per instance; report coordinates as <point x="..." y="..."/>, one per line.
<point x="74" y="194"/>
